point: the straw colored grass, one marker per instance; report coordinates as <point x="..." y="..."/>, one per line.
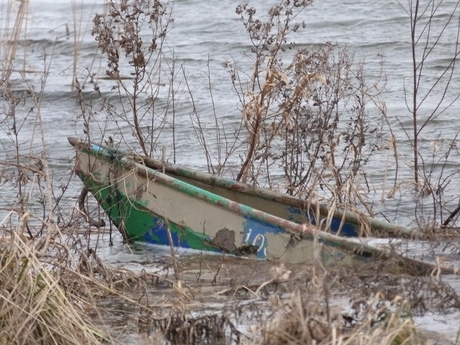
<point x="34" y="309"/>
<point x="301" y="321"/>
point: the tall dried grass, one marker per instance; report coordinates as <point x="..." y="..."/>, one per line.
<point x="34" y="308"/>
<point x="9" y="40"/>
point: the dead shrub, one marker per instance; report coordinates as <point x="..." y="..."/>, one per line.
<point x="306" y="112"/>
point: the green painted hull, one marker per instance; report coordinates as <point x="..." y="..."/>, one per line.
<point x="194" y="211"/>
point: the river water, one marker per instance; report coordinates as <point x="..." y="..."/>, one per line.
<point x="56" y="36"/>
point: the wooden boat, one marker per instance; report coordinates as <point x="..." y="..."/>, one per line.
<point x="171" y="205"/>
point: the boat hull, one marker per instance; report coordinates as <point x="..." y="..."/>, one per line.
<point x="150" y="206"/>
<point x="145" y="205"/>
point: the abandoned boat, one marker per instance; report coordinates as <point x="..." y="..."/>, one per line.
<point x="157" y="203"/>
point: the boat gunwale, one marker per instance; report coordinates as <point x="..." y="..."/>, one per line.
<point x="218" y="181"/>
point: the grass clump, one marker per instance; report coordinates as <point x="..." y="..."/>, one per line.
<point x="299" y="320"/>
<point x="34" y="308"/>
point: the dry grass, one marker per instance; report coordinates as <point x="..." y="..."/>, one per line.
<point x="34" y="308"/>
<point x="74" y="300"/>
<point x="301" y="320"/>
